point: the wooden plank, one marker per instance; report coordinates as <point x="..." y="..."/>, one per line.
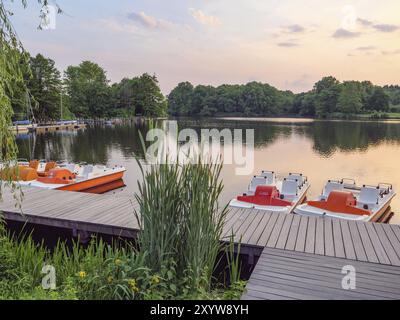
<point x="294" y="229"/>
<point x="314" y="264"/>
<point x="376" y="243"/>
<point x="392" y="237"/>
<point x="396" y="230"/>
<point x="386" y="244"/>
<point x="241" y="231"/>
<point x="268" y="230"/>
<point x="297" y="275"/>
<point x="358" y="245"/>
<point x="338" y="239"/>
<point x="319" y="237"/>
<point x="233" y="215"/>
<point x="328" y="238"/>
<point x="252" y="227"/>
<point x="282" y="239"/>
<point x="347" y="241"/>
<point x="321" y="284"/>
<point x="302" y="234"/>
<point x="315" y="270"/>
<point x="366" y="241"/>
<point x="259" y="229"/>
<point x="230" y="218"/>
<point x="310" y="238"/>
<point x="276" y="231"/>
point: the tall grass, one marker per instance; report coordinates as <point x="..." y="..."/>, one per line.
<point x="180" y="218"/>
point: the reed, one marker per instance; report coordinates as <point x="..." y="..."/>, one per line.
<point x="234" y="261"/>
<point x="180" y="219"/>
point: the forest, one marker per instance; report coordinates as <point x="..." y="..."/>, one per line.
<point x="84" y="91"/>
<point x="328" y="98"/>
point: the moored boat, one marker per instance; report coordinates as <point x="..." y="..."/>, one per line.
<point x="68" y="176"/>
<point x="267" y="192"/>
<point x="343" y="199"/>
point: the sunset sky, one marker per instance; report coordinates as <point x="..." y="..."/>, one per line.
<point x="288" y="43"/>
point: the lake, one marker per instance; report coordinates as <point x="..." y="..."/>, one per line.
<point x="367" y="151"/>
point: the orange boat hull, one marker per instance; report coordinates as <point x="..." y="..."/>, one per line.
<point x="92" y="183"/>
<point x="106" y="187"/>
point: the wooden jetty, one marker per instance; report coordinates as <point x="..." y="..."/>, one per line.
<point x="290" y="275"/>
<point x="284" y="247"/>
<point x="58" y="127"/>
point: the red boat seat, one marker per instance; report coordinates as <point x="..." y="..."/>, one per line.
<point x="265" y="196"/>
<point x="340" y="202"/>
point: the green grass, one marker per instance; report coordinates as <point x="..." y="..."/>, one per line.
<point x="97" y="272"/>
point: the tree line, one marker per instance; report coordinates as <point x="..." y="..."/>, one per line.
<point x="328" y="97"/>
<point x="84" y="92"/>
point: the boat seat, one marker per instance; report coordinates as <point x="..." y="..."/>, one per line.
<point x="269" y="175"/>
<point x="369" y="196"/>
<point x="34" y="164"/>
<point x="330" y="186"/>
<point x="257" y="181"/>
<point x="86" y="171"/>
<point x="71" y="167"/>
<point x="297" y="176"/>
<point x="289" y="188"/>
<point x="49" y="165"/>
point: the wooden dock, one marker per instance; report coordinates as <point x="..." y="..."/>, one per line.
<point x="58" y="127"/>
<point x="290" y="275"/>
<point x="324" y="244"/>
<point x="76" y="211"/>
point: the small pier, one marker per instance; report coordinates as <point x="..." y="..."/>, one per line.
<point x="57" y="127"/>
<point x="294" y="257"/>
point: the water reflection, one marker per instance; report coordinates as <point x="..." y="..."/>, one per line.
<point x="366" y="151"/>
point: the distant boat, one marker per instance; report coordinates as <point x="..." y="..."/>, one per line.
<point x="66" y="122"/>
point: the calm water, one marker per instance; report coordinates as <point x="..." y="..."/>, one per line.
<point x="369" y="152"/>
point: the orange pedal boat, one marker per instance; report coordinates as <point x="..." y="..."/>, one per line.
<point x="70" y="176"/>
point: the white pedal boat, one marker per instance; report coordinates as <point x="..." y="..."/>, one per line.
<point x="266" y="192"/>
<point x="346" y="200"/>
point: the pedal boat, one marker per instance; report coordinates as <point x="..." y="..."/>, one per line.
<point x="69" y="176"/>
<point x="266" y="192"/>
<point x="348" y="201"/>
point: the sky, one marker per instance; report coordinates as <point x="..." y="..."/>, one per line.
<point x="289" y="44"/>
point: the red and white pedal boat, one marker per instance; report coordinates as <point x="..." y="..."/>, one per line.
<point x="345" y="200"/>
<point x="266" y="192"/>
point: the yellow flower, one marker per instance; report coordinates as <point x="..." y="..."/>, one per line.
<point x="110" y="279"/>
<point x="132" y="285"/>
<point x="82" y="274"/>
<point x="155" y="279"/>
<point x="117" y="262"/>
